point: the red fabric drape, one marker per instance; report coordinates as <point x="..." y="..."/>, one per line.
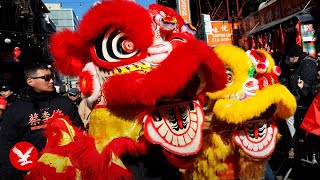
<point x="311" y="122"/>
<point x="298" y="38"/>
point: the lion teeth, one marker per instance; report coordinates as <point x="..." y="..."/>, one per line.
<point x="270" y="130"/>
<point x="176" y="137"/>
<point x="181" y="141"/>
<point x="157" y="123"/>
<point x="255" y="147"/>
<point x="175" y="140"/>
<point x="250" y="146"/>
<point x="245" y="142"/>
<point x="265" y="142"/>
<point x="191" y="133"/>
<point x="269" y="137"/>
<point x="187" y="138"/>
<point x="169" y="136"/>
<point x="261" y="146"/>
<point x="163" y="130"/>
<point x="193" y="117"/>
<point x="194" y="125"/>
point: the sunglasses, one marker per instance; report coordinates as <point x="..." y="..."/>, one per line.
<point x="74" y="95"/>
<point x="45" y="77"/>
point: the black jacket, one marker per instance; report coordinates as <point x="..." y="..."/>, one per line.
<point x="306" y="69"/>
<point x="11" y="98"/>
<point x="23" y="121"/>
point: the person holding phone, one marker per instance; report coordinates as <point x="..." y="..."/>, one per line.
<point x="302" y="85"/>
<point x="304" y="76"/>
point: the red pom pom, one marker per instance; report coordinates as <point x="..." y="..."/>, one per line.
<point x="276" y="70"/>
<point x="86" y="83"/>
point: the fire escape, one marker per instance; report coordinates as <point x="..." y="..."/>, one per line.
<point x="26" y="17"/>
<point x="27" y="14"/>
<point x="222" y="9"/>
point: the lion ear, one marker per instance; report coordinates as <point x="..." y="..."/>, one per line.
<point x="69" y="52"/>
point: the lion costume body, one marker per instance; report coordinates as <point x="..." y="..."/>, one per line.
<point x="144" y="75"/>
<point x="243" y="134"/>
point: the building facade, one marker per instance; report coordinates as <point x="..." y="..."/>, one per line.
<point x="63" y="18"/>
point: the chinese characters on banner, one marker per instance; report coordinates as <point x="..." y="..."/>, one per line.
<point x="184" y="10"/>
<point x="221" y="33"/>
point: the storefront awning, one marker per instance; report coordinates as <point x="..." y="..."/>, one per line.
<point x="300" y="15"/>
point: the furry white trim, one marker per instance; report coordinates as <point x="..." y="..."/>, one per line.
<point x="96" y="85"/>
<point x="159" y="52"/>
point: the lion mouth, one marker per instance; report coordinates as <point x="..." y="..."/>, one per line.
<point x="257" y="137"/>
<point x="176" y="122"/>
<point x="177" y="127"/>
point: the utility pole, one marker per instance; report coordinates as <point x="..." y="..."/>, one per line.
<point x="237" y="2"/>
<point x="228" y="10"/>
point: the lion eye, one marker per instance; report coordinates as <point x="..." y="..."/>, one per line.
<point x="113" y="46"/>
<point x="229" y="76"/>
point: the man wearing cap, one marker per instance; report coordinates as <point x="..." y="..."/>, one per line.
<point x="74" y="95"/>
<point x="7" y="92"/>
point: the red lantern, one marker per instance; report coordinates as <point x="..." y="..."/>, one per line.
<point x="16" y="53"/>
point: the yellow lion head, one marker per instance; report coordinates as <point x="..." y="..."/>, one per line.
<point x="251" y="99"/>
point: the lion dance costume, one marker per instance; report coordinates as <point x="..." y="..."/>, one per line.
<point x="242" y="134"/>
<point x="145" y="76"/>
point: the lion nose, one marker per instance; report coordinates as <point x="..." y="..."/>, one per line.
<point x="159" y="52"/>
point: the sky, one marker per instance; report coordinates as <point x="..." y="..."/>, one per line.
<point x="81" y="6"/>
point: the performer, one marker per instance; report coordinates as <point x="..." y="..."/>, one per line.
<point x="242" y="134"/>
<point x="144" y="75"/>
